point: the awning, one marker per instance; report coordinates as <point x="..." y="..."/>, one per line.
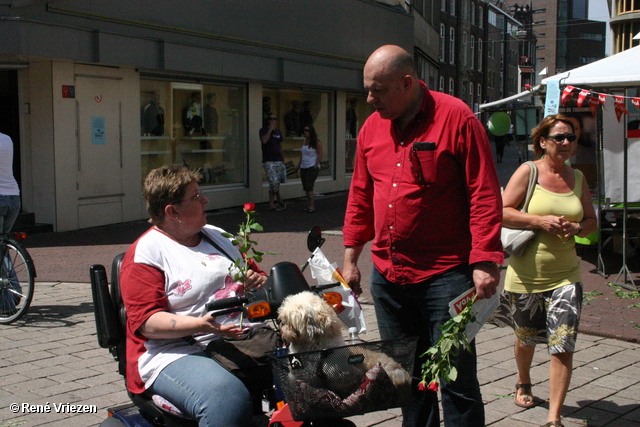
<point x="511" y="98"/>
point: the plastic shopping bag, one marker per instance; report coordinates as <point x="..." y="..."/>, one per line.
<point x="327" y="273"/>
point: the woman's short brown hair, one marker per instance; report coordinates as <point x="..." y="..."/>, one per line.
<point x="165" y="186"/>
<point x="542" y="131"/>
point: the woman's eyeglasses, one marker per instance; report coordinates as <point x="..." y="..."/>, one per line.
<point x="560" y="137"/>
<point x="307" y="130"/>
<point x="198" y="197"/>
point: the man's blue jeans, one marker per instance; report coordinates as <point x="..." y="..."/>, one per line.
<point x="418" y="310"/>
<point x="201" y="387"/>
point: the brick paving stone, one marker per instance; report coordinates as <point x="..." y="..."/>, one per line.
<point x="510" y="422"/>
<point x="375" y="418"/>
<point x="29" y="385"/>
<point x="491" y="374"/>
<point x="536" y="415"/>
<point x="592" y="392"/>
<point x="633" y="416"/>
<point x="616" y="404"/>
<point x="54" y="391"/>
<point x="615" y="381"/>
<point x="101" y="390"/>
<point x="621" y="422"/>
<point x="594" y="417"/>
<point x="630" y="393"/>
<point x="14" y="379"/>
<point x="73" y="375"/>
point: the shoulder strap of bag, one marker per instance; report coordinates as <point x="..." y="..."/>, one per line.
<point x="533" y="178"/>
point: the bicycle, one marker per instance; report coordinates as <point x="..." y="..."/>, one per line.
<point x="17" y="275"/>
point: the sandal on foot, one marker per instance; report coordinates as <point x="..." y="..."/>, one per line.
<point x="527" y="396"/>
<point x="556" y="423"/>
<point x="310" y="210"/>
<point x="275" y="209"/>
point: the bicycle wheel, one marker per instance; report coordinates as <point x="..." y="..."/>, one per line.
<point x="16" y="282"/>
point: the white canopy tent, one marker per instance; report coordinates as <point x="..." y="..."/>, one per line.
<point x="619" y="70"/>
<point x="619" y="159"/>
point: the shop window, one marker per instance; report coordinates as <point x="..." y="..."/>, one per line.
<point x="199" y="125"/>
<point x="296" y="109"/>
<point x="357" y="111"/>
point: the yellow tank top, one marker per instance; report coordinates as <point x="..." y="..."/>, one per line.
<point x="550" y="260"/>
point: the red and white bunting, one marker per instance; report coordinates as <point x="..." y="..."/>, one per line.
<point x="566" y="94"/>
<point x="602" y="97"/>
<point x="619" y="106"/>
<point x="594" y="103"/>
<point x="582" y="96"/>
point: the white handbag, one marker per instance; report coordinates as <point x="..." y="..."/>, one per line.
<point x="515" y="240"/>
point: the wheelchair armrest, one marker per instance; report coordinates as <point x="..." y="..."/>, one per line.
<point x="109" y="329"/>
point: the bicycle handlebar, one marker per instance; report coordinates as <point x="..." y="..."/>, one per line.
<point x="226" y="303"/>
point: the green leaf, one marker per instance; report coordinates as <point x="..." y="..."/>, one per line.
<point x="256" y="227"/>
<point x="453" y="374"/>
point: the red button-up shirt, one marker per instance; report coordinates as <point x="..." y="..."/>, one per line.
<point x="422" y="231"/>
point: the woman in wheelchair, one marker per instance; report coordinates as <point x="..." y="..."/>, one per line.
<point x="167" y="277"/>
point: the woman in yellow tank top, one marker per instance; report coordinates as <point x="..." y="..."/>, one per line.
<point x="542" y="296"/>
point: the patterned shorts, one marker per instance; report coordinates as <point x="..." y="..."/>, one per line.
<point x="550" y="317"/>
<point x="276" y="174"/>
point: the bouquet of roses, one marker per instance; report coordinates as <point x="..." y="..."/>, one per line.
<point x="441" y="358"/>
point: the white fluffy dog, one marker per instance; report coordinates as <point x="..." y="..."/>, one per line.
<point x="308" y="323"/>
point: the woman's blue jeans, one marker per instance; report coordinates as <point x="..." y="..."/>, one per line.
<point x="199" y="386"/>
<point x="9" y="210"/>
<point x="418" y="310"/>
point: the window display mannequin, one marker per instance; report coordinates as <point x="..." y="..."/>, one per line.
<point x="152" y="117"/>
<point x="211" y="114"/>
<point x="292" y="119"/>
<point x="193" y="116"/>
<point x="266" y="110"/>
<point x="306" y="119"/>
<point x="352" y="119"/>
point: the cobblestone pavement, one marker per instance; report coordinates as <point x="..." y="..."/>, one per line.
<point x="51" y="357"/>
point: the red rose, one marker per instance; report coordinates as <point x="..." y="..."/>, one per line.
<point x="433" y="386"/>
<point x="527" y="86"/>
<point x="422" y="386"/>
<point x="249" y="207"/>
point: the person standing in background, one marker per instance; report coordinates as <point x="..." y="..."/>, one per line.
<point x="9" y="191"/>
<point x="309" y="164"/>
<point x="273" y="161"/>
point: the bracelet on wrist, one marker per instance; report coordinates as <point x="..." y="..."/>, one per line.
<point x="579" y="229"/>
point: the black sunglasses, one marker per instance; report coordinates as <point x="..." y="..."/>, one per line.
<point x="273" y="118"/>
<point x="560" y="137"/>
<point x="307" y="130"/>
